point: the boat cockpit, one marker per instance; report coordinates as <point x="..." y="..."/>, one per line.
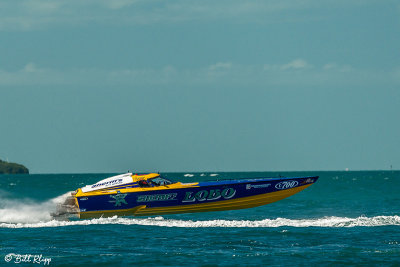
<point x="152" y="182"/>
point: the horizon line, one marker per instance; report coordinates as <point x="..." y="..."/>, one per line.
<point x="116" y="172"/>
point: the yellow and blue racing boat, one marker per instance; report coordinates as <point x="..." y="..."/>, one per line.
<point x="151" y="194"/>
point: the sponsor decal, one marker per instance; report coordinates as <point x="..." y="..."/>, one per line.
<point x="250" y="186"/>
<point x="308" y="181"/>
<point x="108" y="183"/>
<point x="286" y="184"/>
<point x="158" y="197"/>
<point x="206" y="195"/>
<point x="118" y="199"/>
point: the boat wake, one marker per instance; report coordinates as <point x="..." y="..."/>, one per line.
<point x="266" y="223"/>
<point x="27" y="211"/>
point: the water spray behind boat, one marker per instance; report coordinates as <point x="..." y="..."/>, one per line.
<point x="67" y="208"/>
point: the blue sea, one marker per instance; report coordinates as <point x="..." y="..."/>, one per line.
<point x="346" y="218"/>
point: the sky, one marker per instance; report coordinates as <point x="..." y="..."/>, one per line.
<point x="193" y="86"/>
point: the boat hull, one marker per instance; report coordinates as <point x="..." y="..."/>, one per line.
<point x="199" y="197"/>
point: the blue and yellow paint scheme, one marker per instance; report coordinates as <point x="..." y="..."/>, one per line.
<point x="150" y="194"/>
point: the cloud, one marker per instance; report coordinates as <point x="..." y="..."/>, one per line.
<point x="118" y="4"/>
<point x="220" y="66"/>
<point x="31" y="67"/>
<point x="226" y="73"/>
<point x="296" y="64"/>
<point x="31" y="74"/>
<point x="336" y="67"/>
<point x="41" y="7"/>
<point x="38" y="14"/>
<point x="396" y="75"/>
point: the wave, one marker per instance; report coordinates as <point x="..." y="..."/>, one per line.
<point x="26" y="213"/>
<point x="265" y="223"/>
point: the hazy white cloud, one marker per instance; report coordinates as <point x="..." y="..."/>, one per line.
<point x="117" y="4"/>
<point x="40" y="7"/>
<point x="218" y="73"/>
<point x="169" y="70"/>
<point x="296" y="64"/>
<point x="329" y="66"/>
<point x="336" y="67"/>
<point x="38" y="14"/>
<point x="220" y="66"/>
<point x="396" y="74"/>
<point x="31" y="67"/>
<point x="31" y="74"/>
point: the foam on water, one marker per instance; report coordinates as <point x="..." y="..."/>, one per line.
<point x="265" y="223"/>
<point x="27" y="211"/>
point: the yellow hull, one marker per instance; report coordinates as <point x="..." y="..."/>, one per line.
<point x="232" y="204"/>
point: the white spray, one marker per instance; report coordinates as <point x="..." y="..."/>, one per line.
<point x="335" y="222"/>
<point x="27" y="210"/>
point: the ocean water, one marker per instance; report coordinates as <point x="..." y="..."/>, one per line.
<point x="346" y="218"/>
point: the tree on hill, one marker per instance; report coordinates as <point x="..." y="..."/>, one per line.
<point x="12" y="168"/>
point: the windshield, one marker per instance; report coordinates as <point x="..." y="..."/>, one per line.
<point x="161" y="181"/>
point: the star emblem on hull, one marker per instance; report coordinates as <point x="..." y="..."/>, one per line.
<point x="118" y="199"/>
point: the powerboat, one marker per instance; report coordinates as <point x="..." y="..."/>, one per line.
<point x="151" y="194"/>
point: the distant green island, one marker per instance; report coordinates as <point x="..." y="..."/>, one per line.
<point x="12" y="168"/>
